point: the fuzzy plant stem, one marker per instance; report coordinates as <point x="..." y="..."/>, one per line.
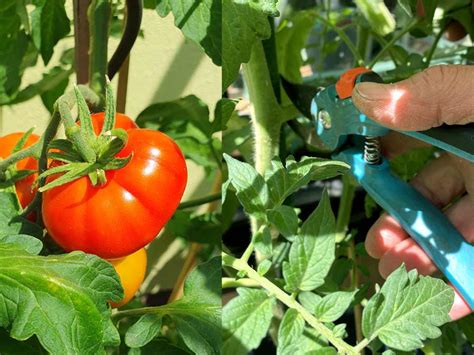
<point x="282" y="296"/>
<point x="99" y="19"/>
<point x="267" y="118"/>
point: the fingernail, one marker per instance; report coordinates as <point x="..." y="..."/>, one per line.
<point x="371" y="91"/>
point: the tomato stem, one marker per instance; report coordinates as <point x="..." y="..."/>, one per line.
<point x="282" y="296"/>
<point x="200" y="201"/>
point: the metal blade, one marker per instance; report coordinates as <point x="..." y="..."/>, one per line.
<point x="458" y="140"/>
<point x="300" y="95"/>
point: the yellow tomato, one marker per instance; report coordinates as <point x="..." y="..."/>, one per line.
<point x="131" y="270"/>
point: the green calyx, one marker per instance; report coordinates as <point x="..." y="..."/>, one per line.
<point x="84" y="153"/>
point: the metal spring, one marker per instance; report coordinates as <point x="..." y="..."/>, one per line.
<point x="372" y="150"/>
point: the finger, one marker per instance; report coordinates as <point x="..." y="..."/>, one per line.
<point x="410" y="253"/>
<point x="384" y="235"/>
<point x="440" y="182"/>
<point x="460" y="308"/>
<point x="440" y="94"/>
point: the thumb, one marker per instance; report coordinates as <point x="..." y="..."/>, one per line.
<point x="440" y="94"/>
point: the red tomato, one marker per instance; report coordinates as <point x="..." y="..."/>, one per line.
<point x="23" y="187"/>
<point x="128" y="212"/>
<point x="131" y="270"/>
<point x="121" y="121"/>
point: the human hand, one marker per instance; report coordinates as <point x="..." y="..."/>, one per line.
<point x="440" y="94"/>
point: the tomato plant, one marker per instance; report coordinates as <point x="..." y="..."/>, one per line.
<point x="104" y="186"/>
<point x="301" y="281"/>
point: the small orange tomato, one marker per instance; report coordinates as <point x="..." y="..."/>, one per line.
<point x="23" y="187"/>
<point x="131" y="270"/>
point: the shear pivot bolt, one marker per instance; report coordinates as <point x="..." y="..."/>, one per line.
<point x="325" y="119"/>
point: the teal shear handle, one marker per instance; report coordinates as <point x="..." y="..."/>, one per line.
<point x="425" y="223"/>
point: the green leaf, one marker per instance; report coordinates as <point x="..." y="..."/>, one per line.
<point x="196" y="317"/>
<point x="313" y="252"/>
<point x="291" y="37"/>
<point x="245" y="23"/>
<point x="408" y="6"/>
<point x="200" y="21"/>
<point x="291" y="328"/>
<point x="309" y="300"/>
<point x="407" y="310"/>
<point x="284" y="182"/>
<point x="225" y="108"/>
<point x="200" y="228"/>
<point x="10" y="221"/>
<point x="332" y="307"/>
<point x="264" y="266"/>
<point x="161" y="345"/>
<point x="68" y="293"/>
<point x="49" y="24"/>
<point x="187" y="121"/>
<point x="285" y="219"/>
<point x="251" y="189"/>
<point x="13" y="50"/>
<point x="407" y="165"/>
<point x="246" y="320"/>
<point x="378" y="15"/>
<point x="24" y="242"/>
<point x="163" y="7"/>
<point x="50" y="87"/>
<point x="262" y="241"/>
<point x="144" y="331"/>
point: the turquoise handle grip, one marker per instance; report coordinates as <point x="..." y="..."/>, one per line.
<point x="425" y="223"/>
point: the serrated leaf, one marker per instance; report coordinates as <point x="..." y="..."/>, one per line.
<point x="246" y="320"/>
<point x="49" y="24"/>
<point x="331" y="307"/>
<point x="196" y="317"/>
<point x="10" y="221"/>
<point x="223" y="112"/>
<point x="200" y="21"/>
<point x="187" y="121"/>
<point x="69" y="293"/>
<point x="285" y="219"/>
<point x="51" y="86"/>
<point x="200" y="228"/>
<point x="309" y="300"/>
<point x="407" y="310"/>
<point x="291" y="37"/>
<point x="313" y="252"/>
<point x="264" y="266"/>
<point x="245" y="23"/>
<point x="13" y="48"/>
<point x="24" y="242"/>
<point x="143" y="331"/>
<point x="291" y="328"/>
<point x="284" y="182"/>
<point x="262" y="241"/>
<point x="251" y="189"/>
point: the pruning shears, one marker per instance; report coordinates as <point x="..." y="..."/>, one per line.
<point x="356" y="139"/>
